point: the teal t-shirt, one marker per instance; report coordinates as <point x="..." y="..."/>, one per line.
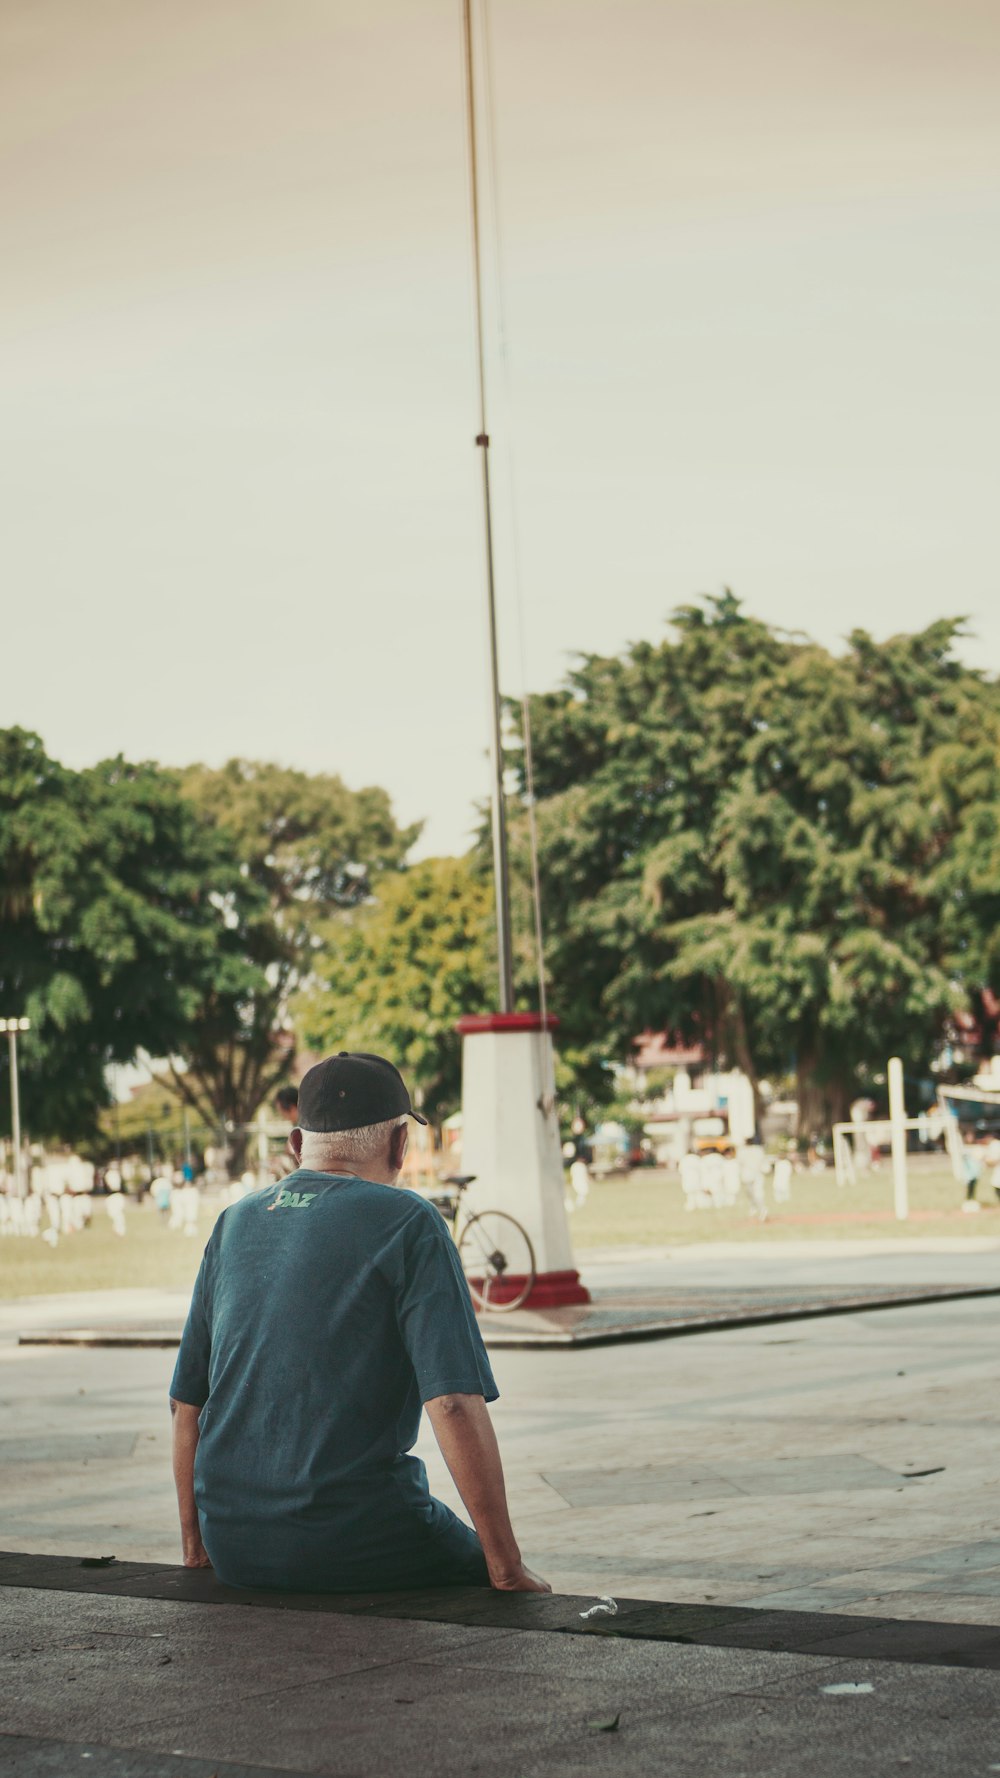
<point x="327" y="1310"/>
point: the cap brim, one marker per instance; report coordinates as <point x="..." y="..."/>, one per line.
<point x="417" y="1118"/>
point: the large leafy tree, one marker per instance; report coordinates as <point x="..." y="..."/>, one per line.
<point x="778" y="851"/>
<point x="398" y="971"/>
<point x="311" y="849"/>
<point x="119" y="916"/>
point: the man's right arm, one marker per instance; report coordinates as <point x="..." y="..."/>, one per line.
<point x="464" y="1431"/>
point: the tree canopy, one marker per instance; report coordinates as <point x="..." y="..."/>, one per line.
<point x="176" y="912"/>
<point x="786" y="854"/>
<point x="117" y="913"/>
<point x="396" y="975"/>
<point x="308" y="848"/>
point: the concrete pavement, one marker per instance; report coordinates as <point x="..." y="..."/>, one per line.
<point x="799" y="1523"/>
<point x="109" y="1674"/>
<point x="842" y="1465"/>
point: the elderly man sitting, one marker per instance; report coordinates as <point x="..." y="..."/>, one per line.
<point x="327" y="1310"/>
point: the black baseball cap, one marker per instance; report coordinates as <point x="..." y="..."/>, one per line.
<point x="349" y="1091"/>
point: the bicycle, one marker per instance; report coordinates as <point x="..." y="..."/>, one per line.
<point x="496" y="1252"/>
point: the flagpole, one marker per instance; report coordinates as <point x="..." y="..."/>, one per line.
<point x="501" y="872"/>
<point x="510" y="1134"/>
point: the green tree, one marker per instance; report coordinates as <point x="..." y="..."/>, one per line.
<point x="750" y="842"/>
<point x="118" y="909"/>
<point x="311" y="849"/>
<point x="397" y="973"/>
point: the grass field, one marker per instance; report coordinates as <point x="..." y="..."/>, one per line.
<point x="643" y="1209"/>
<point x="646" y="1209"/>
<point x="151" y="1256"/>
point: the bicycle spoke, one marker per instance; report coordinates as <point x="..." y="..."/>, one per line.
<point x="492" y="1257"/>
<point x="493" y="1248"/>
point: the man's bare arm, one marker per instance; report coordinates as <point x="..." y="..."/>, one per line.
<point x="464" y="1431"/>
<point x="185" y="1444"/>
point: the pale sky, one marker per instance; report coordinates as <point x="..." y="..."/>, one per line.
<point x="751" y="255"/>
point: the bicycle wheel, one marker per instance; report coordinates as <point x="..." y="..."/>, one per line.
<point x="498" y="1261"/>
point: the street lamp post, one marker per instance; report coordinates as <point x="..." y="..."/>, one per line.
<point x="12" y="1027"/>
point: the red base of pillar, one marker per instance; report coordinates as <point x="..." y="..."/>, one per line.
<point x="556" y="1290"/>
<point x="551" y="1290"/>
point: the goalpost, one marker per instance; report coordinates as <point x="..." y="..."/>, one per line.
<point x="894" y="1127"/>
<point x="985" y="1096"/>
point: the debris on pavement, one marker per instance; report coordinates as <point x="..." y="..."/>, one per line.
<point x="606" y="1607"/>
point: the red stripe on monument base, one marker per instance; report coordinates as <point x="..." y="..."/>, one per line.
<point x="551" y="1290"/>
<point x="472" y="1022"/>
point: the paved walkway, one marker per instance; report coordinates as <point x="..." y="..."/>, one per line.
<point x="164" y="1675"/>
<point x="844" y="1465"/>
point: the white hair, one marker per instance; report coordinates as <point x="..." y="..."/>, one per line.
<point x="354" y="1147"/>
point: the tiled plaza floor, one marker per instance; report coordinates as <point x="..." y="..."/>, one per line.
<point x="843" y="1465"/>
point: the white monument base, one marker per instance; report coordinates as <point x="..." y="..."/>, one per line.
<point x="510" y="1141"/>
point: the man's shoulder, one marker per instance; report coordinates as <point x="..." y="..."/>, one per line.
<point x="399" y="1213"/>
<point x="390" y="1203"/>
<point x="395" y="1210"/>
<point x="419" y="1207"/>
<point x="399" y="1204"/>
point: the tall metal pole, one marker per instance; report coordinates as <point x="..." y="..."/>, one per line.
<point x="501" y="874"/>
